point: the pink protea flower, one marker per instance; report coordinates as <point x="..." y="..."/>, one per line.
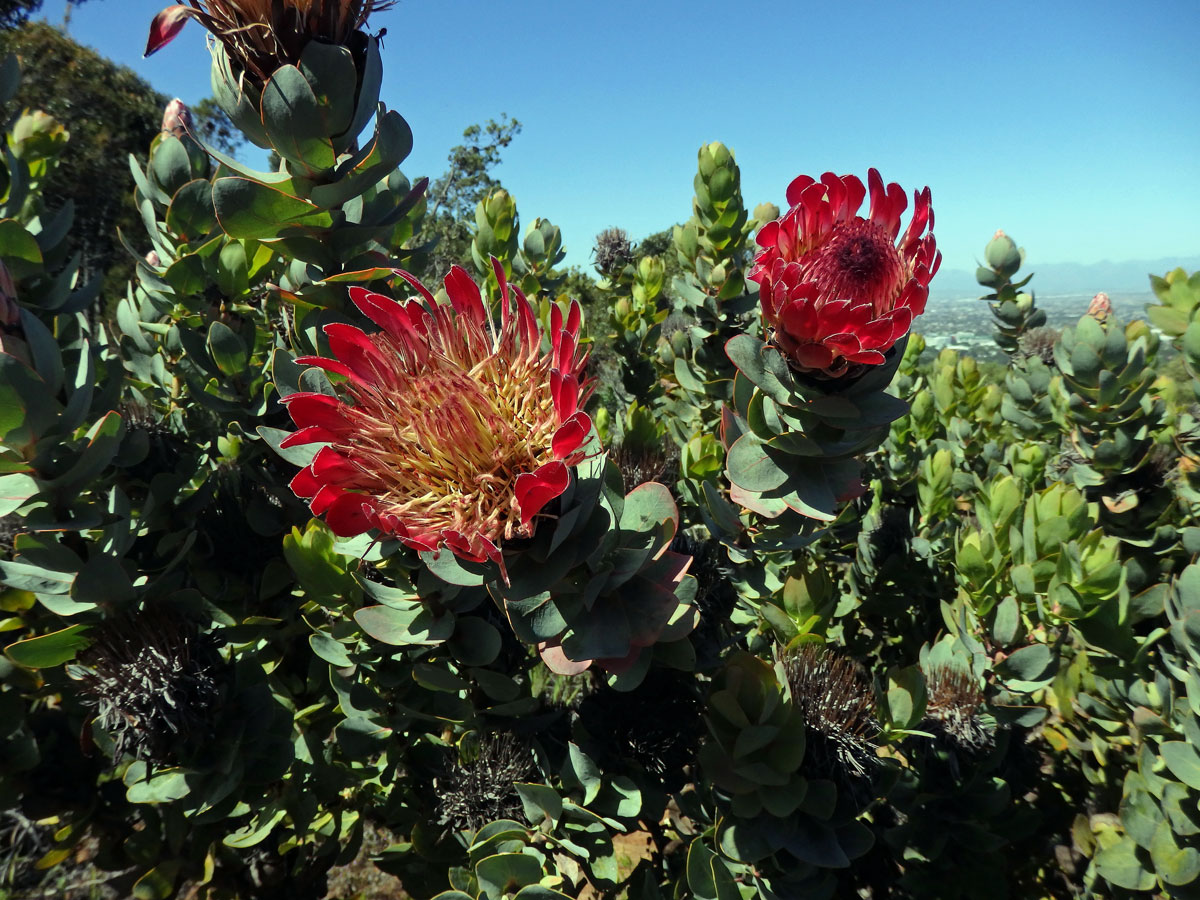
<point x="838" y="290"/>
<point x="447" y="431"/>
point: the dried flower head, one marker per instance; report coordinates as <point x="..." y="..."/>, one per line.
<point x="642" y="462"/>
<point x="153" y="681"/>
<point x="613" y="251"/>
<point x="835" y="698"/>
<point x="837" y="290"/>
<point x="1040" y="342"/>
<point x="657" y="725"/>
<point x="448" y="431"/>
<point x="953" y="708"/>
<point x="263" y="35"/>
<point x="475" y="784"/>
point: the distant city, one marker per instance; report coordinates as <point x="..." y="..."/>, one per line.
<point x="965" y="323"/>
<point x="956" y="318"/>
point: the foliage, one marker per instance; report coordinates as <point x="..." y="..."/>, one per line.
<point x="111" y="113"/>
<point x="913" y="627"/>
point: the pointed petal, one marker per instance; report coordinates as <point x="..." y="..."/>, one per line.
<point x="570" y="435"/>
<point x="348" y="515"/>
<point x="534" y="490"/>
<point x="166" y="25"/>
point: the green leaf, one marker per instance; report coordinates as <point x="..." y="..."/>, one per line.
<point x="504" y="873"/>
<point x="328" y="649"/>
<point x="542" y="803"/>
<point x="48" y="650"/>
<point x="1030" y="667"/>
<point x="250" y="210"/>
<point x="158" y="883"/>
<point x="538" y="892"/>
<point x="170" y="164"/>
<point x="15" y="490"/>
<point x="1007" y="621"/>
<point x="403" y="627"/>
<point x="165" y="786"/>
<point x="19" y="249"/>
<point x="1182" y="760"/>
<point x="749" y="466"/>
<point x="226" y="348"/>
<point x="295" y="121"/>
<point x="475" y="642"/>
<point x="1119" y="864"/>
<point x="258" y="828"/>
<point x="299" y="455"/>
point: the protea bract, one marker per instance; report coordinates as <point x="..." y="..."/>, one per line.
<point x="837" y="290"/>
<point x="448" y="430"/>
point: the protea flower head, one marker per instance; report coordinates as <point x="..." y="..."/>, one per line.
<point x="834" y="697"/>
<point x="262" y="35"/>
<point x="954" y="708"/>
<point x="837" y="290"/>
<point x="153" y="681"/>
<point x="448" y="430"/>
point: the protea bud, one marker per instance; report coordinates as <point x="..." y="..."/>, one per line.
<point x="153" y="681"/>
<point x="177" y="119"/>
<point x="837" y="705"/>
<point x="837" y="290"/>
<point x="1100" y="308"/>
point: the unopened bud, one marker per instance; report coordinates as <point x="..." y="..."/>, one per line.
<point x="1100" y="308"/>
<point x="177" y="118"/>
<point x="152" y="259"/>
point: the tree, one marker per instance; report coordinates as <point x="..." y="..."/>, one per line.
<point x="14" y="13"/>
<point x="110" y="113"/>
<point x="454" y="195"/>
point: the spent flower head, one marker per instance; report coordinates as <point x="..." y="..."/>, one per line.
<point x="837" y="290"/>
<point x="262" y="35"/>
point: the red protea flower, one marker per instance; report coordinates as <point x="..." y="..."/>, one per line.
<point x="447" y="431"/>
<point x="838" y="290"/>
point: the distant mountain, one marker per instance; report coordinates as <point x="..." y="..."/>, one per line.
<point x="1071" y="278"/>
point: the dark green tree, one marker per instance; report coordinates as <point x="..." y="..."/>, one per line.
<point x="466" y="181"/>
<point x="110" y="113"/>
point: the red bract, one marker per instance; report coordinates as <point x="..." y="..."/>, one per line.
<point x="447" y="432"/>
<point x="838" y="290"/>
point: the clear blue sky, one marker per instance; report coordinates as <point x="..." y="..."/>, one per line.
<point x="1072" y="125"/>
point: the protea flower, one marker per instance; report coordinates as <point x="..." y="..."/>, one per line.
<point x="834" y="697"/>
<point x="448" y="431"/>
<point x="153" y="682"/>
<point x="262" y="35"/>
<point x="837" y="290"/>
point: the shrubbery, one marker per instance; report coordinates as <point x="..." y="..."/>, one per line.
<point x="786" y="605"/>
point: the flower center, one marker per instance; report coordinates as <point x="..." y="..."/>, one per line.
<point x="445" y="446"/>
<point x="858" y="263"/>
